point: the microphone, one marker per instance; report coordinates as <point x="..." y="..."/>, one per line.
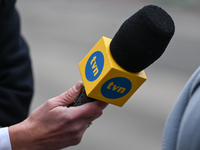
<point x="114" y="69"/>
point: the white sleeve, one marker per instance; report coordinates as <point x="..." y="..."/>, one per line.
<point x="4" y="139"/>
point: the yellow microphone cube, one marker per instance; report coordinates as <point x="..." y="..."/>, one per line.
<point x="104" y="79"/>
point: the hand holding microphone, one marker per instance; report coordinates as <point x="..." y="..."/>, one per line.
<point x="114" y="69"/>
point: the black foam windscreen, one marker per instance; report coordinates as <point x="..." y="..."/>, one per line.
<point x="142" y="38"/>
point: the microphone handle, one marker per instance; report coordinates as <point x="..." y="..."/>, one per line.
<point x="82" y="99"/>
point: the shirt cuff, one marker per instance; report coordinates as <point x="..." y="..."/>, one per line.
<point x="4" y="139"/>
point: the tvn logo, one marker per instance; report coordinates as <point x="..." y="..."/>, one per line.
<point x="95" y="69"/>
<point x="116" y="87"/>
<point x="94" y="66"/>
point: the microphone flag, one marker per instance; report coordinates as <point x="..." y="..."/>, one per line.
<point x="104" y="79"/>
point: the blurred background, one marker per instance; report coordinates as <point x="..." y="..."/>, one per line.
<point x="61" y="32"/>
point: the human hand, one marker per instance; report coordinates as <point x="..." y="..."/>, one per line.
<point x="54" y="126"/>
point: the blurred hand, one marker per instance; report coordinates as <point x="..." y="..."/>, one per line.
<point x="53" y="126"/>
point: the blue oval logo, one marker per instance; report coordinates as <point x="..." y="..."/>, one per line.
<point x="94" y="66"/>
<point x="116" y="87"/>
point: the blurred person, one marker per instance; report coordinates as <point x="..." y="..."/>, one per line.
<point x="16" y="79"/>
<point x="182" y="129"/>
<point x="52" y="126"/>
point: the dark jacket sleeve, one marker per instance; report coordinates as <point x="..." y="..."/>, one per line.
<point x="16" y="82"/>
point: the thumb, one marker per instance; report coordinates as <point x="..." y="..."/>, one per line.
<point x="69" y="96"/>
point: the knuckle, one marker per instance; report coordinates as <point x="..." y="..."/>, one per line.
<point x="76" y="142"/>
<point x="48" y="103"/>
<point x="69" y="120"/>
<point x="69" y="94"/>
<point x="76" y="135"/>
<point x="77" y="138"/>
<point x="70" y="117"/>
<point x="97" y="111"/>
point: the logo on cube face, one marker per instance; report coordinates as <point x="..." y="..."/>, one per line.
<point x="94" y="66"/>
<point x="116" y="87"/>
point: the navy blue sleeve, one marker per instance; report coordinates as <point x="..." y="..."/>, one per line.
<point x="16" y="81"/>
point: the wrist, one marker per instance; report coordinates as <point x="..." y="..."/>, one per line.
<point x="20" y="137"/>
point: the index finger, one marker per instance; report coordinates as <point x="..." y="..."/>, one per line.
<point x="91" y="110"/>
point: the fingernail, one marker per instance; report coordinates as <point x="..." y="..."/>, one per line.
<point x="77" y="86"/>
